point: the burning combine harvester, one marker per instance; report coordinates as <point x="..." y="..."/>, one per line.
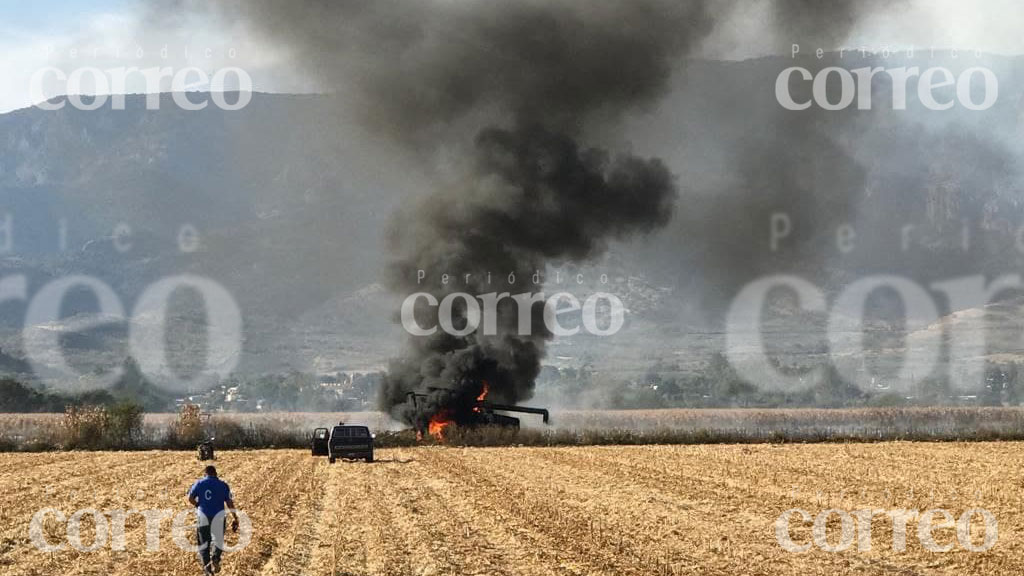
<point x="531" y="199"/>
<point x="478" y="413"/>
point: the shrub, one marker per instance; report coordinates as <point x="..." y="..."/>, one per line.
<point x="98" y="427"/>
<point x="231" y="434"/>
<point x="85" y="427"/>
<point x="270" y="436"/>
<point x="124" y="421"/>
<point x="187" y="429"/>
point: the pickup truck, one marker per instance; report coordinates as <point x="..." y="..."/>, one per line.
<point x="352" y="442"/>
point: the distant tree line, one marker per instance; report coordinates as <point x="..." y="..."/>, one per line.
<point x="132" y="387"/>
<point x="716" y="384"/>
<point x="18" y="397"/>
<point x="293" y="392"/>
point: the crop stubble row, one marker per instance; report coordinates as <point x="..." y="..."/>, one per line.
<point x="528" y="511"/>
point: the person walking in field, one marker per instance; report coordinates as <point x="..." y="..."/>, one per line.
<point x="209" y="495"/>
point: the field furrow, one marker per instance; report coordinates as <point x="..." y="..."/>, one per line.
<point x="653" y="510"/>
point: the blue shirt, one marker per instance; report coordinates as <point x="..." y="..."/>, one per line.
<point x="212" y="494"/>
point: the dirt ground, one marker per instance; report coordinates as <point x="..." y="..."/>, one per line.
<point x="531" y="511"/>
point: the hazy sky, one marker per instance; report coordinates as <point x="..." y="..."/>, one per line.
<point x="107" y="34"/>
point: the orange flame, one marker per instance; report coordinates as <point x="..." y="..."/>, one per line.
<point x="442" y="420"/>
<point x="481" y="397"/>
<point x="438" y="422"/>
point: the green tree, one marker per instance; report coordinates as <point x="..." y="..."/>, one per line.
<point x="17" y="397"/>
<point x="125" y="424"/>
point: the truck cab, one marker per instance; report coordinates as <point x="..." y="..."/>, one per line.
<point x="352" y="442"/>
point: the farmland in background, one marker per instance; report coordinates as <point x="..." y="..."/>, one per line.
<point x="283" y="429"/>
<point x="642" y="510"/>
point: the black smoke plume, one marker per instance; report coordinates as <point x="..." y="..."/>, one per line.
<point x="534" y="78"/>
<point x="531" y="80"/>
<point x="533" y="196"/>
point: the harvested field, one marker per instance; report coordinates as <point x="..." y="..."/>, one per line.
<point x="641" y="510"/>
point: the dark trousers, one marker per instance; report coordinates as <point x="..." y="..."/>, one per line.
<point x="208" y="549"/>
